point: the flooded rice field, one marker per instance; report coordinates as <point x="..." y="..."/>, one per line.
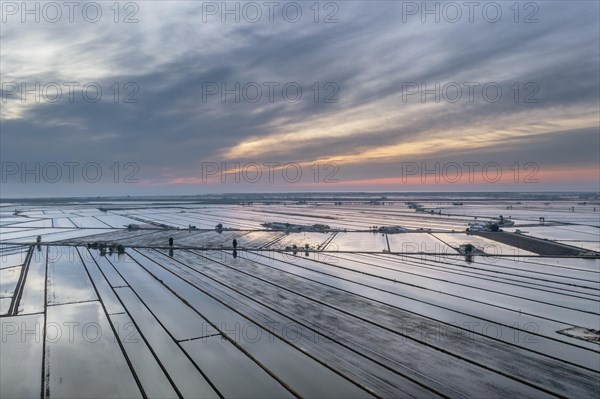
<point x="354" y="300"/>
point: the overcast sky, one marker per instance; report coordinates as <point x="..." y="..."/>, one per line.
<point x="368" y="94"/>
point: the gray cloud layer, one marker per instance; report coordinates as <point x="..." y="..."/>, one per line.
<point x="370" y="55"/>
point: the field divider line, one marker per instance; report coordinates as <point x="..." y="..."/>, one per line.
<point x="16" y="298"/>
<point x="137" y="329"/>
<point x="166" y="331"/>
<point x="497" y="279"/>
<point x="450" y="353"/>
<point x="237" y="345"/>
<point x="110" y="323"/>
<point x="438" y="306"/>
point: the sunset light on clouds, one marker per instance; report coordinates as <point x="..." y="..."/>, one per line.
<point x="376" y="86"/>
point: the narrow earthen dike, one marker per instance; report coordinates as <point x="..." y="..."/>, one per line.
<point x="535" y="245"/>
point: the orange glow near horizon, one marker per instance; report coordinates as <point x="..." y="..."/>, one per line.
<point x="584" y="175"/>
<point x="525" y="180"/>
